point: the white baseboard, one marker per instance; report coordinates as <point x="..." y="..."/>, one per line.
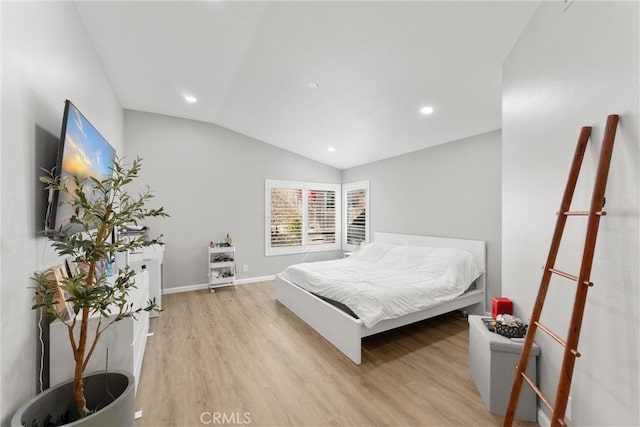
<point x="252" y="280"/>
<point x="179" y="289"/>
<point x="199" y="287"/>
<point x="543" y="420"/>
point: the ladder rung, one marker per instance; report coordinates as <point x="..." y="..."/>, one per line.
<point x="569" y="276"/>
<point x="537" y="391"/>
<point x="563" y="274"/>
<point x="557" y="338"/>
<point x="541" y="396"/>
<point x="582" y="213"/>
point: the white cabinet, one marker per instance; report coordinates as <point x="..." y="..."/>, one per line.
<point x="122" y="345"/>
<point x="222" y="266"/>
<point x="150" y="258"/>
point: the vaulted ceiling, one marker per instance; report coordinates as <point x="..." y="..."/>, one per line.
<point x="252" y="65"/>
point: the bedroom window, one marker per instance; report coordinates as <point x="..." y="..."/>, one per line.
<point x="356" y="215"/>
<point x="301" y="217"/>
<point x="321" y="217"/>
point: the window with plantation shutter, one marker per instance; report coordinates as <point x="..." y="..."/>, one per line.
<point x="321" y="214"/>
<point x="286" y="217"/>
<point x="301" y="217"/>
<point x="356" y="215"/>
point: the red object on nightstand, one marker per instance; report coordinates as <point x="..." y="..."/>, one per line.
<point x="500" y="305"/>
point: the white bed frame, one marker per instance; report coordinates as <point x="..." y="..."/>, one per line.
<point x="346" y="332"/>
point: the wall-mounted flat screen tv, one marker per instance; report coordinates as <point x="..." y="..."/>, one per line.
<point x="82" y="152"/>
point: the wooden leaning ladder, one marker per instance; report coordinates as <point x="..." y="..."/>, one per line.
<point x="582" y="280"/>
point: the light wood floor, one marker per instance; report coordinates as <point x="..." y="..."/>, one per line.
<point x="237" y="352"/>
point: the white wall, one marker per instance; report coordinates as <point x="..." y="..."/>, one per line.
<point x="211" y="181"/>
<point x="568" y="70"/>
<point x="1" y="81"/>
<point x="450" y="190"/>
<point x="46" y="58"/>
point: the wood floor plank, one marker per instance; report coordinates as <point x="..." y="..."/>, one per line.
<point x="243" y="356"/>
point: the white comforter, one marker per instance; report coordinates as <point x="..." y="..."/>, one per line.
<point x="384" y="281"/>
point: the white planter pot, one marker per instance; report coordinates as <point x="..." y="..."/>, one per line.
<point x="111" y="396"/>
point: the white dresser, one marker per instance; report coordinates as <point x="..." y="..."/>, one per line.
<point x="151" y="259"/>
<point x="123" y="343"/>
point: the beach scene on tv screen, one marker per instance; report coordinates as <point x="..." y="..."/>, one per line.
<point x="86" y="154"/>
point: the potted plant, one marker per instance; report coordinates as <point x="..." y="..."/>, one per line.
<point x="99" y="206"/>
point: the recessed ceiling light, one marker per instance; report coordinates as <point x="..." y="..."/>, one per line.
<point x="426" y="110"/>
<point x="331" y="149"/>
<point x="313" y="85"/>
<point x="190" y="99"/>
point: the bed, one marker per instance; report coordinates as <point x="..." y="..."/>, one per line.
<point x="346" y="332"/>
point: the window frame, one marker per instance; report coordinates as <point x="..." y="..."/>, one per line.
<point x="354" y="186"/>
<point x="305" y="247"/>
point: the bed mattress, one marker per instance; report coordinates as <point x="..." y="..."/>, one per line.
<point x="384" y="281"/>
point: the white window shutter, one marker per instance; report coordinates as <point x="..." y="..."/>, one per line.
<point x="286" y="217"/>
<point x="356" y="215"/>
<point x="321" y="217"/>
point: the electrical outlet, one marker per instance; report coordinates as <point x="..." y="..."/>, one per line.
<point x="567" y="413"/>
<point x="245" y="268"/>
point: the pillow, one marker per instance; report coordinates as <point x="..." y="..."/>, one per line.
<point x="457" y="265"/>
<point x="374" y="251"/>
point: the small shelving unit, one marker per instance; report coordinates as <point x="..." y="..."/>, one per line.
<point x="222" y="267"/>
